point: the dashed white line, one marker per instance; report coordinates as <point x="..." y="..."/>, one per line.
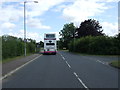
<point x="102" y="62"/>
<point x="105" y="63"/>
<point x="68" y="64"/>
<point x="75" y="74"/>
<point x="63" y="58"/>
<point x="13" y="71"/>
<point x="80" y="81"/>
<point x="83" y="83"/>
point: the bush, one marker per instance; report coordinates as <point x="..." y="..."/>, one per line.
<point x="103" y="45"/>
<point x="13" y="46"/>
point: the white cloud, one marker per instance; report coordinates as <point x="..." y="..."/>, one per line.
<point x="110" y="29"/>
<point x="32" y="35"/>
<point x="10" y="14"/>
<point x="76" y="11"/>
<point x="8" y="26"/>
<point x="41" y="7"/>
<point x="59" y="8"/>
<point x="34" y="22"/>
<point x="112" y="0"/>
<point x="83" y="9"/>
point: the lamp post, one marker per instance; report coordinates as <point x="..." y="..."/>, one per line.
<point x="25" y="40"/>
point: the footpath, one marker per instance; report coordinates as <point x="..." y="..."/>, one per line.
<point x="8" y="67"/>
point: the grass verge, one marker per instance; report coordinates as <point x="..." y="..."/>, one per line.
<point x="63" y="50"/>
<point x="115" y="63"/>
<point x="86" y="54"/>
<point x="14" y="58"/>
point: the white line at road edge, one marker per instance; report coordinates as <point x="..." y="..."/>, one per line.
<point x="13" y="71"/>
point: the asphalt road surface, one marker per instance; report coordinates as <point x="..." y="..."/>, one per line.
<point x="65" y="70"/>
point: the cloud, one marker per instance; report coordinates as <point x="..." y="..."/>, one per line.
<point x="14" y="13"/>
<point x="83" y="9"/>
<point x="34" y="22"/>
<point x="38" y="9"/>
<point x="110" y="29"/>
<point x="32" y="35"/>
<point x="8" y="26"/>
<point x="76" y="11"/>
<point x="10" y="13"/>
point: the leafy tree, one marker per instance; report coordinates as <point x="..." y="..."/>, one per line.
<point x="67" y="34"/>
<point x="41" y="44"/>
<point x="89" y="27"/>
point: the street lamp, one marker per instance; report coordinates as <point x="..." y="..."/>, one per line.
<point x="25" y="24"/>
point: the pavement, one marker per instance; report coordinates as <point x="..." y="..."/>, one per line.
<point x="7" y="67"/>
<point x="65" y="70"/>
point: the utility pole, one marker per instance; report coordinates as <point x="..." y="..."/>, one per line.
<point x="25" y="40"/>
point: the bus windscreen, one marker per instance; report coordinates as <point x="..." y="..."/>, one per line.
<point x="50" y="35"/>
<point x="50" y="43"/>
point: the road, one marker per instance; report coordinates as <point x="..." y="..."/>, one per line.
<point x="65" y="70"/>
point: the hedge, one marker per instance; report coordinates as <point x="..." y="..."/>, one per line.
<point x="102" y="45"/>
<point x="13" y="46"/>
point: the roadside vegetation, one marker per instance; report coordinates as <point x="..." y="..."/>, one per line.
<point x="115" y="63"/>
<point x="13" y="47"/>
<point x="99" y="45"/>
<point x="89" y="38"/>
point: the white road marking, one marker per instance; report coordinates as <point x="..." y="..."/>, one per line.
<point x="105" y="63"/>
<point x="75" y="74"/>
<point x="61" y="55"/>
<point x="13" y="71"/>
<point x="102" y="62"/>
<point x="63" y="58"/>
<point x="81" y="82"/>
<point x="68" y="64"/>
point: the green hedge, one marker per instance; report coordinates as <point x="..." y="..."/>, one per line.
<point x="13" y="46"/>
<point x="103" y="45"/>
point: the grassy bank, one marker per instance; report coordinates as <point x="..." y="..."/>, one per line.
<point x="115" y="63"/>
<point x="84" y="54"/>
<point x="14" y="58"/>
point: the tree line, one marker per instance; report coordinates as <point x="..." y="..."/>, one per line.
<point x="13" y="46"/>
<point x="88" y="38"/>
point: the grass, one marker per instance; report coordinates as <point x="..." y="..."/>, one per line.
<point x="91" y="54"/>
<point x="115" y="63"/>
<point x="0" y="61"/>
<point x="13" y="58"/>
<point x="63" y="50"/>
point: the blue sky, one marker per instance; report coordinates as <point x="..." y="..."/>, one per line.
<point x="49" y="16"/>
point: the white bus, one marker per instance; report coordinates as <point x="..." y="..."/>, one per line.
<point x="50" y="46"/>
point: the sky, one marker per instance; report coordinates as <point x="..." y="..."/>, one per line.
<point x="49" y="16"/>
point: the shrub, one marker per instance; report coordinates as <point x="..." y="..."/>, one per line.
<point x="95" y="45"/>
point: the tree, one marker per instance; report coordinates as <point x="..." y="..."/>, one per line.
<point x="67" y="34"/>
<point x="89" y="27"/>
<point x="41" y="44"/>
